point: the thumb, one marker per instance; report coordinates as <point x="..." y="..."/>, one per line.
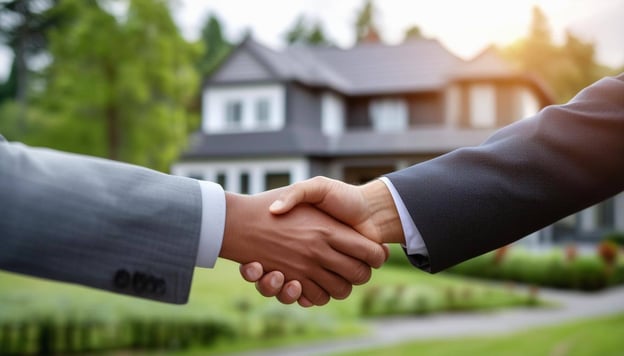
<point x="311" y="191"/>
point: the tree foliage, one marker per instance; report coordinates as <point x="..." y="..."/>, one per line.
<point x="118" y="88"/>
<point x="366" y="28"/>
<point x="306" y="32"/>
<point x="565" y="68"/>
<point x="214" y="46"/>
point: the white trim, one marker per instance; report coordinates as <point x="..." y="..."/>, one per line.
<point x="298" y="168"/>
<point x="332" y="114"/>
<point x="452" y="106"/>
<point x="215" y="100"/>
<point x="482" y="98"/>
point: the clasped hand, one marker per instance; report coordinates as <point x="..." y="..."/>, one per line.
<point x="311" y="241"/>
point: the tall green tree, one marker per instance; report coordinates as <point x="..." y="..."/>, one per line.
<point x="566" y="69"/>
<point x="119" y="88"/>
<point x="366" y="29"/>
<point x="305" y="32"/>
<point x="23" y="27"/>
<point x="413" y="33"/>
<point x="215" y="47"/>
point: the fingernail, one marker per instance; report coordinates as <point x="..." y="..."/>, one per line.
<point x="291" y="291"/>
<point x="253" y="273"/>
<point x="274" y="282"/>
<point x="278" y="204"/>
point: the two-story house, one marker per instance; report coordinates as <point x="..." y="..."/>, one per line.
<point x="270" y="118"/>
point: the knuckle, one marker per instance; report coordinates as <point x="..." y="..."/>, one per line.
<point x="362" y="274"/>
<point x="342" y="291"/>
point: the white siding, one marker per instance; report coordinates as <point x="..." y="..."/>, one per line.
<point x="215" y="101"/>
<point x="332" y="114"/>
<point x="389" y="115"/>
<point x="482" y="101"/>
<point x="297" y="168"/>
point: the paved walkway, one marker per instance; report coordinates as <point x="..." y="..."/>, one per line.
<point x="572" y="305"/>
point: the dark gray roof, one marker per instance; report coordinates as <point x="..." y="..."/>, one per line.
<point x="375" y="68"/>
<point x="303" y="142"/>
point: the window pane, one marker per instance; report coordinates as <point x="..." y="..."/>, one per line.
<point x="388" y="114"/>
<point x="276" y="180"/>
<point x="221" y="180"/>
<point x="262" y="112"/>
<point x="482" y="106"/>
<point x="233" y="114"/>
<point x="244" y="183"/>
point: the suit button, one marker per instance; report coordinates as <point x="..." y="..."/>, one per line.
<point x="139" y="282"/>
<point x="122" y="279"/>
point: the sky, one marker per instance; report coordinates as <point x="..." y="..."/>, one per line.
<point x="464" y="27"/>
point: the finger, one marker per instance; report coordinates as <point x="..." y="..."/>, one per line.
<point x="252" y="271"/>
<point x="386" y="251"/>
<point x="304" y="302"/>
<point x="270" y="284"/>
<point x="351" y="269"/>
<point x="313" y="293"/>
<point x="310" y="191"/>
<point x="336" y="286"/>
<point x="290" y="293"/>
<point x="351" y="243"/>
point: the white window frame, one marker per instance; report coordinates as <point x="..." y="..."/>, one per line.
<point x="389" y="115"/>
<point x="482" y="99"/>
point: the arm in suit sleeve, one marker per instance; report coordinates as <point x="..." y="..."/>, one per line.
<point x="98" y="223"/>
<point x="525" y="177"/>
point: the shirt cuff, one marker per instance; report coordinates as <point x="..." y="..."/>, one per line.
<point x="212" y="224"/>
<point x="414" y="243"/>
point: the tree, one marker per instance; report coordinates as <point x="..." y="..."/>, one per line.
<point x="305" y="32"/>
<point x="23" y="26"/>
<point x="214" y="46"/>
<point x="118" y="89"/>
<point x="413" y="32"/>
<point x="366" y="25"/>
<point x="566" y="69"/>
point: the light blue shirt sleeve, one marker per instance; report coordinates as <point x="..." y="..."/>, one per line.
<point x="212" y="224"/>
<point x="414" y="244"/>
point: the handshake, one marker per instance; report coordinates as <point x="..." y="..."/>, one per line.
<point x="312" y="240"/>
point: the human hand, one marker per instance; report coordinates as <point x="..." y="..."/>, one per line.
<point x="323" y="255"/>
<point x="369" y="208"/>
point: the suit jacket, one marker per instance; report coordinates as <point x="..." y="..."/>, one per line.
<point x="525" y="177"/>
<point x="98" y="223"/>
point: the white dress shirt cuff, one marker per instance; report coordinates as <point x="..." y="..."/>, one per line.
<point x="414" y="244"/>
<point x="212" y="224"/>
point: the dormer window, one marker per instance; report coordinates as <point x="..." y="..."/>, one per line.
<point x="234" y="115"/>
<point x="244" y="108"/>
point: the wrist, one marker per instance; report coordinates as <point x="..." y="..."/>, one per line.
<point x="232" y="235"/>
<point x="383" y="213"/>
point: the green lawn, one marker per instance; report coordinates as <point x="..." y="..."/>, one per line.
<point x="584" y="338"/>
<point x="221" y="294"/>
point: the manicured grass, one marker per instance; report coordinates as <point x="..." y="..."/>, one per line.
<point x="220" y="294"/>
<point x="584" y="338"/>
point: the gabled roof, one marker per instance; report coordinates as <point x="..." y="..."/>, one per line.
<point x="372" y="68"/>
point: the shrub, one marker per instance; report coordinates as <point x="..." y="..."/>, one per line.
<point x="615" y="236"/>
<point x="608" y="251"/>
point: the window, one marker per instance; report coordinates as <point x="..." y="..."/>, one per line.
<point x="233" y="114"/>
<point x="388" y="115"/>
<point x="222" y="179"/>
<point x="244" y="183"/>
<point x="263" y="112"/>
<point x="482" y="106"/>
<point x="276" y="180"/>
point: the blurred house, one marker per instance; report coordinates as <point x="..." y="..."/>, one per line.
<point x="271" y="118"/>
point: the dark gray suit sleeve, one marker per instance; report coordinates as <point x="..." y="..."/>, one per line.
<point x="98" y="223"/>
<point x="525" y="177"/>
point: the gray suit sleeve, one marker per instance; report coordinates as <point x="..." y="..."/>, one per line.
<point x="98" y="223"/>
<point x="525" y="177"/>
